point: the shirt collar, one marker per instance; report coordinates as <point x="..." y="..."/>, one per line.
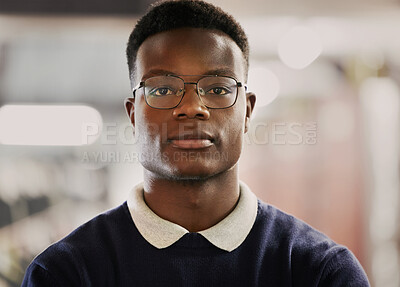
<point x="228" y="234"/>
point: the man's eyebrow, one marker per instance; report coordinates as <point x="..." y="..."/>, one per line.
<point x="157" y="72"/>
<point x="218" y="71"/>
<point x="221" y="72"/>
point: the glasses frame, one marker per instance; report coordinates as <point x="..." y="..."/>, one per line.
<point x="142" y="85"/>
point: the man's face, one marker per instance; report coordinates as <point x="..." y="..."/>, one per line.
<point x="190" y="141"/>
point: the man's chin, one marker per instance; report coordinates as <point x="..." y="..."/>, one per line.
<point x="183" y="174"/>
<point x="187" y="169"/>
<point x="187" y="175"/>
<point x="188" y="178"/>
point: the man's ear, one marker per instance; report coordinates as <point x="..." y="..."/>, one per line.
<point x="250" y="103"/>
<point x="130" y="109"/>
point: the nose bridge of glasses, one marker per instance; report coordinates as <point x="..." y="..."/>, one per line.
<point x="184" y="90"/>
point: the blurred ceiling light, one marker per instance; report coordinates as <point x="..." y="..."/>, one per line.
<point x="49" y="125"/>
<point x="265" y="84"/>
<point x="299" y="47"/>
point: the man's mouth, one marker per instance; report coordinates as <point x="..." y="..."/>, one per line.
<point x="192" y="141"/>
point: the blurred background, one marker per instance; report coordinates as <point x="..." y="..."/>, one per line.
<point x="323" y="145"/>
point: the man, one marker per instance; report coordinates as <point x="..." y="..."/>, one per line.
<point x="192" y="222"/>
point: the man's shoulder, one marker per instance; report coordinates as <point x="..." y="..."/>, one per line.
<point x="89" y="236"/>
<point x="291" y="234"/>
<point x="308" y="250"/>
<point x="100" y="225"/>
<point x="78" y="254"/>
<point x="295" y="231"/>
<point x="71" y="258"/>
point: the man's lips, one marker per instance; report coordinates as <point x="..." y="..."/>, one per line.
<point x="191" y="140"/>
<point x="191" y="143"/>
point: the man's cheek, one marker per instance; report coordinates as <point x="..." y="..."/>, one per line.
<point x="232" y="134"/>
<point x="148" y="131"/>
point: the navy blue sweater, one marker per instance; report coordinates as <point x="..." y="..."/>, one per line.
<point x="280" y="250"/>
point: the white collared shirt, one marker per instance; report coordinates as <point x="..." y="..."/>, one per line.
<point x="228" y="234"/>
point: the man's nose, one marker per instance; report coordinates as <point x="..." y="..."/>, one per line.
<point x="191" y="106"/>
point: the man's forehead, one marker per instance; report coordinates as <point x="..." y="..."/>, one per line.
<point x="189" y="51"/>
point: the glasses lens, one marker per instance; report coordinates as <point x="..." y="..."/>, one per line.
<point x="163" y="91"/>
<point x="217" y="92"/>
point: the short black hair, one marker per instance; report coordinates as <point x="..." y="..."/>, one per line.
<point x="174" y="14"/>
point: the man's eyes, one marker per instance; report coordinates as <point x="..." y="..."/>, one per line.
<point x="162" y="91"/>
<point x="219" y="91"/>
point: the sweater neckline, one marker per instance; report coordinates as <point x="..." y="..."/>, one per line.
<point x="228" y="234"/>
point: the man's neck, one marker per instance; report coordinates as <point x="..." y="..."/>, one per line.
<point x="193" y="204"/>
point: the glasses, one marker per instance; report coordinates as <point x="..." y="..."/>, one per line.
<point x="166" y="92"/>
